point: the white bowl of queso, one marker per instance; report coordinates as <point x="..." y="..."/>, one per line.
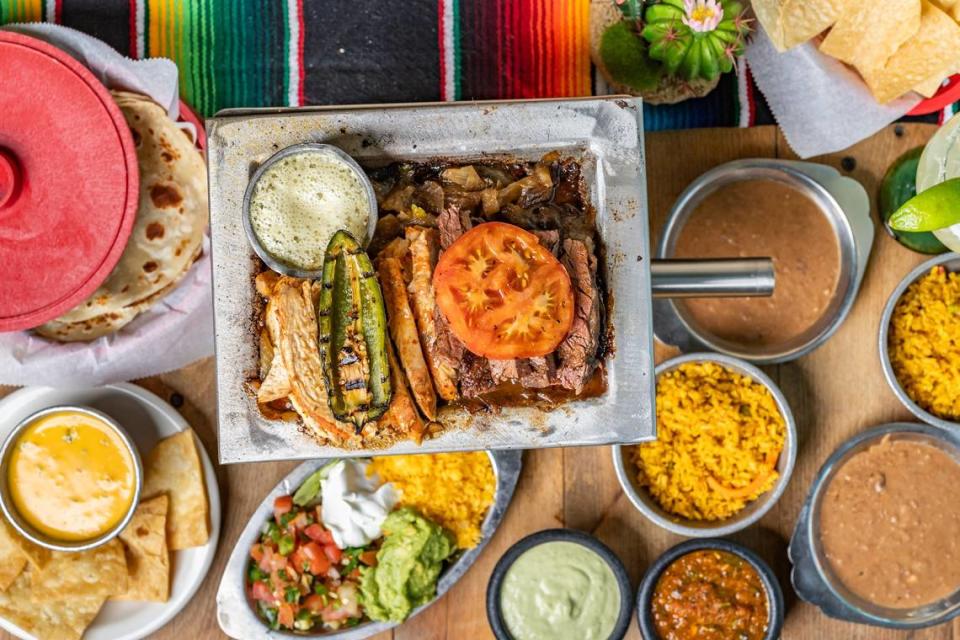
<point x="70" y="478"/>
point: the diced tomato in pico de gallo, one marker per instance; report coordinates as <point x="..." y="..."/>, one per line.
<point x="297" y="575"/>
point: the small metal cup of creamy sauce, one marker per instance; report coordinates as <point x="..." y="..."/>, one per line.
<point x="70" y="478"/>
<point x="878" y="539"/>
<point x="298" y="198"/>
<point x="773" y="208"/>
<point x="532" y="585"/>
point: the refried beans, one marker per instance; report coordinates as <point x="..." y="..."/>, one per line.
<point x="890" y="524"/>
<point x="757" y="218"/>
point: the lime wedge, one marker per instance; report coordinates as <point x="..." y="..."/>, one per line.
<point x="936" y="208"/>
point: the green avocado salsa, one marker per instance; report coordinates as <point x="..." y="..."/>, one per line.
<point x="408" y="566"/>
<point x="560" y="591"/>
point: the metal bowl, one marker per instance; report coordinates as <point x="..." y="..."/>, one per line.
<point x="794" y="175"/>
<point x="495" y="615"/>
<point x="27" y="530"/>
<point x="951" y="262"/>
<point x="296" y="149"/>
<point x="775" y="606"/>
<point x="812" y="577"/>
<point x="755" y="510"/>
<point x="236" y="612"/>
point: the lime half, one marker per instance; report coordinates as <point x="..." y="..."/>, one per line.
<point x="935" y="208"/>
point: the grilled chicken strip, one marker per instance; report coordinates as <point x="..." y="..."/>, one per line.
<point x="403" y="330"/>
<point x="424" y="245"/>
<point x="294" y="335"/>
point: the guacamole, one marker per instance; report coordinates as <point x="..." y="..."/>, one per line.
<point x="408" y="566"/>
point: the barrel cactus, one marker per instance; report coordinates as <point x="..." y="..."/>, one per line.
<point x="695" y="39"/>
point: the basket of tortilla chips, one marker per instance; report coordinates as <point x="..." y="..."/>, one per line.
<point x="896" y="46"/>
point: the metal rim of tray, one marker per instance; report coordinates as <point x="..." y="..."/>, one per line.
<point x="851" y="607"/>
<point x="785" y="172"/>
<point x="950" y="261"/>
<point x="754" y="510"/>
<point x="235" y="613"/>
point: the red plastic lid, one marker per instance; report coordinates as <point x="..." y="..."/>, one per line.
<point x="68" y="182"/>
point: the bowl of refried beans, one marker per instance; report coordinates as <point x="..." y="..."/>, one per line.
<point x="884" y="526"/>
<point x="765" y="208"/>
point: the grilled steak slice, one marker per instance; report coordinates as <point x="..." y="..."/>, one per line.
<point x="475" y="378"/>
<point x="504" y="370"/>
<point x="537" y="373"/>
<point x="577" y="353"/>
<point x="453" y="223"/>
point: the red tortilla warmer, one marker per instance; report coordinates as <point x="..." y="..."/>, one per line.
<point x="68" y="182"/>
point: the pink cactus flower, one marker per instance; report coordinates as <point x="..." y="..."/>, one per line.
<point x="702" y="15"/>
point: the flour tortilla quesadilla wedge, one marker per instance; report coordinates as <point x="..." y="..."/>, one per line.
<point x="167" y="234"/>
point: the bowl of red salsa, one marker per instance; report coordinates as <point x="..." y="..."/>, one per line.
<point x="710" y="589"/>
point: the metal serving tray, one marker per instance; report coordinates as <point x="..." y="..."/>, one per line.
<point x="605" y="134"/>
<point x="235" y="611"/>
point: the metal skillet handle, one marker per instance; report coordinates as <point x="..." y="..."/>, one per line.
<point x="714" y="278"/>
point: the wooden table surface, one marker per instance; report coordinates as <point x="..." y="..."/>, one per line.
<point x="835" y="392"/>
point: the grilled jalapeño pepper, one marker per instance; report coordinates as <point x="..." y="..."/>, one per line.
<point x="353" y="330"/>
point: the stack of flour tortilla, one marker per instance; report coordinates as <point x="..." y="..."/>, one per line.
<point x="167" y="235"/>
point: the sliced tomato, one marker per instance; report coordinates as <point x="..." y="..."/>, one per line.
<point x="333" y="552"/>
<point x="285" y="615"/>
<point x="282" y="505"/>
<point x="263" y="593"/>
<point x="319" y="561"/>
<point x="318" y="533"/>
<point x="300" y="560"/>
<point x="315" y="604"/>
<point x="503" y="293"/>
<point x="256" y="552"/>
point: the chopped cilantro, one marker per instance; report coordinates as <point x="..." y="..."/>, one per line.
<point x="285" y="546"/>
<point x="291" y="594"/>
<point x="255" y="574"/>
<point x="320" y="589"/>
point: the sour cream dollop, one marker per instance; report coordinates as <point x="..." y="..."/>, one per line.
<point x="355" y="504"/>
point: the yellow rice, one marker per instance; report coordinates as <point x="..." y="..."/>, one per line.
<point x="454" y="490"/>
<point x="719" y="435"/>
<point x="924" y="342"/>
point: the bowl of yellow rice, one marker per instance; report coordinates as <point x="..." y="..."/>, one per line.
<point x="725" y="447"/>
<point x="920" y="341"/>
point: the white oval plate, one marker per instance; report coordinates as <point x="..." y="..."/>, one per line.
<point x="147" y="419"/>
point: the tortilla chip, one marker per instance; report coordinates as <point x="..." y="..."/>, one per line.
<point x="12" y="559"/>
<point x="866" y="36"/>
<point x="36" y="555"/>
<point x="48" y="619"/>
<point x="148" y="559"/>
<point x="933" y="51"/>
<point x="100" y="572"/>
<point x="951" y="7"/>
<point x="792" y="22"/>
<point x="928" y="88"/>
<point x="173" y="468"/>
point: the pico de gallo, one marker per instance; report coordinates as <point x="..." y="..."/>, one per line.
<point x="299" y="578"/>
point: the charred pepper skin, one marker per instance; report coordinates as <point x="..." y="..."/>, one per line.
<point x="353" y="333"/>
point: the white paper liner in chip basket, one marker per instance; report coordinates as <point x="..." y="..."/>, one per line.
<point x="172" y="333"/>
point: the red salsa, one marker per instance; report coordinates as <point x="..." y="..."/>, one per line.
<point x="299" y="578"/>
<point x="710" y="595"/>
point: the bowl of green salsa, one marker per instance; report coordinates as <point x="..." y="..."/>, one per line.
<point x="559" y="584"/>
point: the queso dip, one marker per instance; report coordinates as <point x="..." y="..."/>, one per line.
<point x="71" y="476"/>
